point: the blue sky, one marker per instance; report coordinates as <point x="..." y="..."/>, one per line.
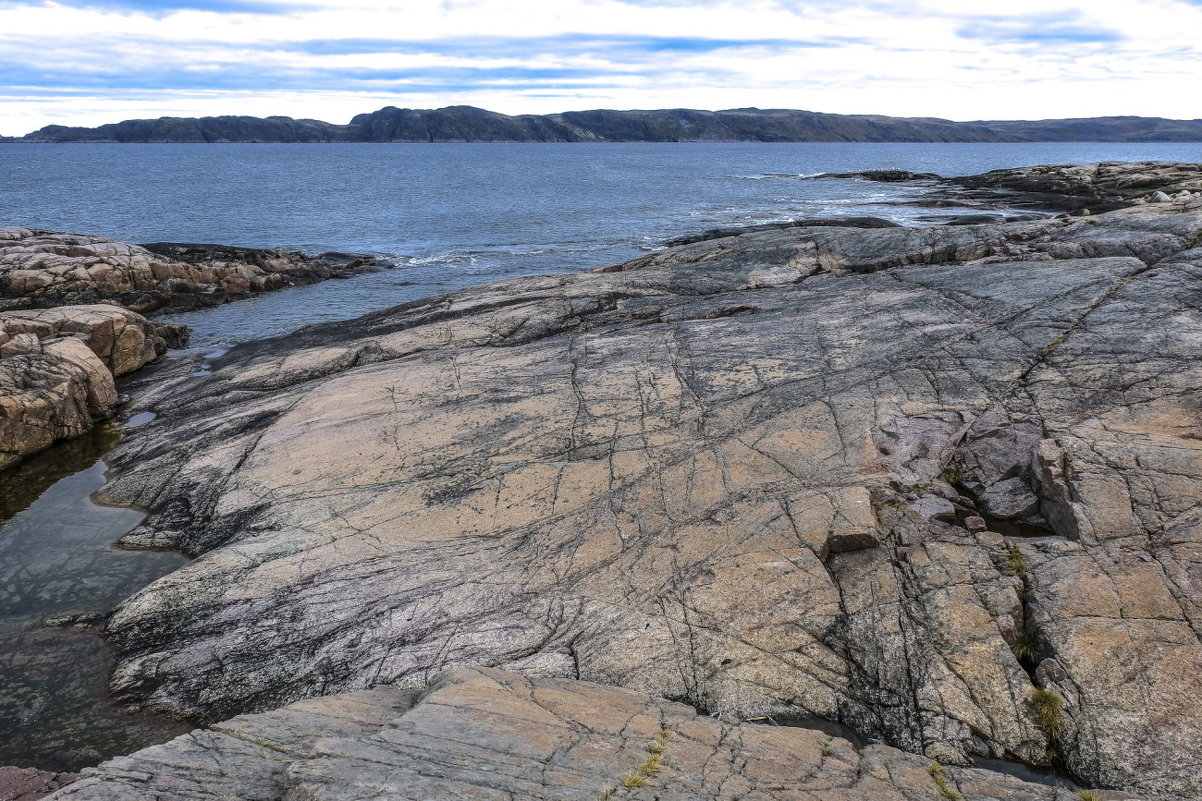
<point x="85" y="62"/>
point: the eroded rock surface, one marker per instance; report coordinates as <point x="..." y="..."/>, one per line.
<point x="749" y="472"/>
<point x="55" y="390"/>
<point x="489" y="734"/>
<point x="41" y="269"/>
<point x="1111" y="180"/>
<point x="122" y="339"/>
<point x="57" y="369"/>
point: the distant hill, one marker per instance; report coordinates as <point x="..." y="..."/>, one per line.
<point x="469" y="124"/>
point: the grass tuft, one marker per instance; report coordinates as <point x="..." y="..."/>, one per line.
<point x="1049" y="708"/>
<point x="1015" y="562"/>
<point x="1025" y="647"/>
<point x="649" y="767"/>
<point x="1089" y="795"/>
<point x="939" y="776"/>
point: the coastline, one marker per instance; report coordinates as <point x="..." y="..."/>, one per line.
<point x="744" y="275"/>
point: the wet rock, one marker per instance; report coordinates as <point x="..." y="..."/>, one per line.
<point x="832" y="222"/>
<point x="636" y="476"/>
<point x="489" y="734"/>
<point x="30" y="784"/>
<point x="41" y="269"/>
<point x="883" y="176"/>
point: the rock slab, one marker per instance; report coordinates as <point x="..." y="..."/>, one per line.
<point x="739" y="472"/>
<point x="478" y="734"/>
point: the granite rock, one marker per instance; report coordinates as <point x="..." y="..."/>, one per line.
<point x="53" y="391"/>
<point x="477" y="734"/>
<point x="652" y="476"/>
<point x="41" y="269"/>
<point x="57" y="369"/>
<point x="124" y="340"/>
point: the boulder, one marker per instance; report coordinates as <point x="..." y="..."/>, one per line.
<point x="53" y="394"/>
<point x="57" y="369"/>
<point x="124" y="340"/>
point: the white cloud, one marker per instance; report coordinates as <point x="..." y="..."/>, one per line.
<point x="948" y="58"/>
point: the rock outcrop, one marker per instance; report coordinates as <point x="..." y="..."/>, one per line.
<point x="123" y="340"/>
<point x="55" y="391"/>
<point x="937" y="484"/>
<point x="40" y="269"/>
<point x="57" y="369"/>
<point x="489" y="734"/>
<point x="1104" y="186"/>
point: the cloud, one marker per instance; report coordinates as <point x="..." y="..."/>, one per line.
<point x="161" y="8"/>
<point x="1038" y="29"/>
<point x="94" y="61"/>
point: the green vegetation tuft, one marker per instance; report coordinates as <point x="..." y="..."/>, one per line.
<point x="649" y="767"/>
<point x="1049" y="708"/>
<point x="946" y="790"/>
<point x="1025" y="647"/>
<point x="1089" y="795"/>
<point x="1015" y="562"/>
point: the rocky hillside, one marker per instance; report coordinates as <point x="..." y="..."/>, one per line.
<point x="468" y="124"/>
<point x="937" y="484"/>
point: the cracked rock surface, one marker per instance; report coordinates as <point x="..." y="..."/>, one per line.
<point x="749" y="472"/>
<point x="489" y="734"/>
<point x="57" y="368"/>
<point x="41" y="269"/>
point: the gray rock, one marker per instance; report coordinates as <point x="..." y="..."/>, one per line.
<point x="41" y="269"/>
<point x="636" y="476"/>
<point x="487" y="734"/>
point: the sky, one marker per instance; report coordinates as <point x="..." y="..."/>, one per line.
<point x="88" y="62"/>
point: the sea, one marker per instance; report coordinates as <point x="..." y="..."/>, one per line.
<point x="446" y="216"/>
<point x="452" y="215"/>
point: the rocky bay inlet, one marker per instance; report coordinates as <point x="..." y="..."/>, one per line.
<point x="937" y="483"/>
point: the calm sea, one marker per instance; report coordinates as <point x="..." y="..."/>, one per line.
<point x="453" y="215"/>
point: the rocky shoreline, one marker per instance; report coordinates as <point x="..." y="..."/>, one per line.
<point x="60" y="290"/>
<point x="936" y="484"/>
